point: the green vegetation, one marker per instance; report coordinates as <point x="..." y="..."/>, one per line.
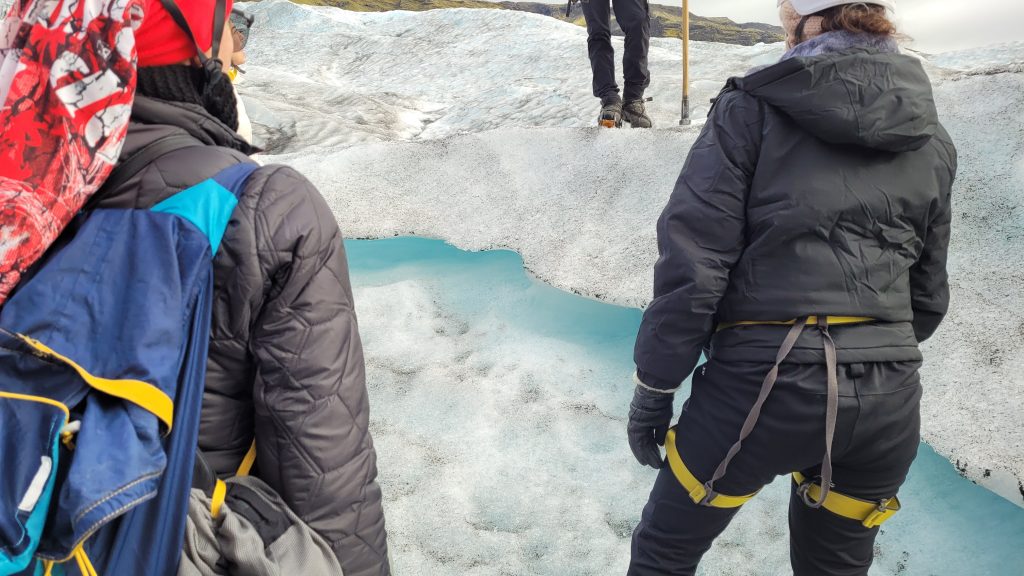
<point x="666" y="21"/>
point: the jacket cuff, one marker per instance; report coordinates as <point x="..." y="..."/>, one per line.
<point x="653" y="383"/>
<point x="926" y="323"/>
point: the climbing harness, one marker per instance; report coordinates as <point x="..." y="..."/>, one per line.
<point x="815" y="493"/>
<point x="755" y="412"/>
<point x="832" y="321"/>
<point x="698" y="492"/>
<point x="868" y="513"/>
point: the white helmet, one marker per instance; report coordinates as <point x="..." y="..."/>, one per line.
<point x="808" y="7"/>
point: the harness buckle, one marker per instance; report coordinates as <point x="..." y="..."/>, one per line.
<point x="804" y="492"/>
<point x="699" y="495"/>
<point x="881" y="513"/>
<point x="709" y="495"/>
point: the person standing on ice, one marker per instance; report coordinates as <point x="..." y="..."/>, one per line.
<point x="634" y="18"/>
<point x="805" y="247"/>
<point x="285" y="364"/>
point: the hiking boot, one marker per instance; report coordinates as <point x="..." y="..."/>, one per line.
<point x="633" y="111"/>
<point x="611" y="112"/>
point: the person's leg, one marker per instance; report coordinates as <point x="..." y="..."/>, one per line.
<point x="634" y="18"/>
<point x="884" y="444"/>
<point x="674" y="533"/>
<point x="599" y="46"/>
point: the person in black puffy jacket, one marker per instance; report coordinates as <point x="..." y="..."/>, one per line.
<point x="804" y="247"/>
<point x="286" y="363"/>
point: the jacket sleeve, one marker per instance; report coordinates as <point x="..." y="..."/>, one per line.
<point x="700" y="238"/>
<point x="311" y="406"/>
<point x="929" y="282"/>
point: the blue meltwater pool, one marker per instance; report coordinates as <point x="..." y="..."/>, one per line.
<point x="498" y="408"/>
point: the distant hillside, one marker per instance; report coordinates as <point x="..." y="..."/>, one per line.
<point x="665" y="20"/>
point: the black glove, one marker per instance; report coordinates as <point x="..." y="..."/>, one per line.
<point x="650" y="416"/>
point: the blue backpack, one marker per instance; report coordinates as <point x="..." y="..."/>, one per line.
<point x="103" y="355"/>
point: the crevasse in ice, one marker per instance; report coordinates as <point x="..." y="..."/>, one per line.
<point x="498" y="412"/>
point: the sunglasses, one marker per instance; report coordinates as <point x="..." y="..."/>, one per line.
<point x="240" y="25"/>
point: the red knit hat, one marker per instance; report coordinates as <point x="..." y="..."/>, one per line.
<point x="161" y="42"/>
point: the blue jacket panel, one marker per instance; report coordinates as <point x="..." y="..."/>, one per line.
<point x="111" y="332"/>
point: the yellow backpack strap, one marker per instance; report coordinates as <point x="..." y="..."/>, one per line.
<point x="220" y="490"/>
<point x="250" y="458"/>
<point x="870" y="514"/>
<point x="84" y="564"/>
<point x="143" y="394"/>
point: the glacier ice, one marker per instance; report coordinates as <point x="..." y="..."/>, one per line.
<point x="498" y="412"/>
<point x="472" y="126"/>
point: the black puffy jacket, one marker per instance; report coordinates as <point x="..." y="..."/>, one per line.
<point x="286" y="362"/>
<point x="818" y="186"/>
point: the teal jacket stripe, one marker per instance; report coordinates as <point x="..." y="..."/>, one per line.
<point x="207" y="205"/>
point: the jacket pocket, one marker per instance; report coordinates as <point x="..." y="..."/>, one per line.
<point x="30" y="428"/>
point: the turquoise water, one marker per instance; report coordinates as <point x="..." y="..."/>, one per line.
<point x="948" y="525"/>
<point x="496" y="277"/>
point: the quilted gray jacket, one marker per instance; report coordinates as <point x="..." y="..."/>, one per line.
<point x="286" y="362"/>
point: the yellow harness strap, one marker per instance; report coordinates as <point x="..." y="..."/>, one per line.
<point x="145" y="395"/>
<point x="692" y="485"/>
<point x="811" y="320"/>
<point x="870" y="514"/>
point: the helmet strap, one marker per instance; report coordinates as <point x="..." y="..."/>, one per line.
<point x="218" y="29"/>
<point x="217" y="93"/>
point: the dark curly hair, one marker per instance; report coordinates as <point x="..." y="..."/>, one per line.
<point x="859" y="18"/>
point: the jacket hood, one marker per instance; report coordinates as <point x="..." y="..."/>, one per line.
<point x="193" y="119"/>
<point x="861" y="97"/>
<point x="217" y="147"/>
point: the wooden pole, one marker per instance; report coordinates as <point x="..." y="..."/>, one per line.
<point x="684" y="120"/>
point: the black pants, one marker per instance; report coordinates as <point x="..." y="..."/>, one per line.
<point x="634" y="19"/>
<point x="877" y="437"/>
